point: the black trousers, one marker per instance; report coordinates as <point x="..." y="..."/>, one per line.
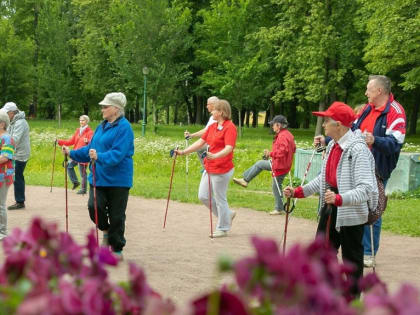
<point x="350" y="240"/>
<point x="111" y="203"/>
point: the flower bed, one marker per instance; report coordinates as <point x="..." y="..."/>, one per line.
<point x="46" y="272"/>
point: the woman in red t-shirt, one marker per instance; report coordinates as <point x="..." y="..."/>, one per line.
<point x="220" y="138"/>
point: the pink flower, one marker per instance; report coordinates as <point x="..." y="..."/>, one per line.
<point x="219" y="302"/>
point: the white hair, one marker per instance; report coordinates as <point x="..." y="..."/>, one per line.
<point x="4" y="118"/>
<point x="85" y="117"/>
<point x="212" y="99"/>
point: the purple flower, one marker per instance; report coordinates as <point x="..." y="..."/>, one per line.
<point x="69" y="297"/>
<point x="219" y="302"/>
<point x="106" y="257"/>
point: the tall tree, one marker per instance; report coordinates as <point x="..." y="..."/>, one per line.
<point x="393" y="47"/>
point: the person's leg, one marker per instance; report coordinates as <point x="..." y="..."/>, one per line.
<point x="278" y="195"/>
<point x="203" y="193"/>
<point x="322" y="226"/>
<point x="220" y="183"/>
<point x="117" y="205"/>
<point x="254" y="170"/>
<point x="352" y="252"/>
<point x="19" y="184"/>
<point x="102" y="204"/>
<point x="82" y="171"/>
<point x="72" y="174"/>
<point x="3" y="213"/>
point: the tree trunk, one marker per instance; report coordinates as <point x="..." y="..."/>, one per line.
<point x="267" y="118"/>
<point x="198" y="110"/>
<point x="176" y="114"/>
<point x="240" y="122"/>
<point x="86" y="108"/>
<point x="319" y="120"/>
<point x="254" y="118"/>
<point x="35" y="61"/>
<point x="243" y="113"/>
<point x="167" y="114"/>
<point x="137" y="118"/>
<point x="248" y="113"/>
<point x="413" y="117"/>
<point x="189" y="113"/>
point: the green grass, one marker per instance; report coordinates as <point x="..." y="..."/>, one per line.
<point x="153" y="165"/>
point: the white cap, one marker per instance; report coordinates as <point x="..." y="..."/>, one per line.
<point x="10" y="107"/>
<point x="116" y="99"/>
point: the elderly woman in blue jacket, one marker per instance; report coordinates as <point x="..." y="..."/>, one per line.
<point x="110" y="151"/>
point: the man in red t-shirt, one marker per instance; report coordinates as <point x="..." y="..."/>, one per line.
<point x="282" y="152"/>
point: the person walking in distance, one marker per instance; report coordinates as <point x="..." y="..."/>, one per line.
<point x="221" y="139"/>
<point x="81" y="137"/>
<point x="210" y="107"/>
<point x="111" y="152"/>
<point x="19" y="131"/>
<point x="347" y="187"/>
<point x="282" y="152"/>
<point x="7" y="149"/>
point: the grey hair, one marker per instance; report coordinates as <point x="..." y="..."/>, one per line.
<point x="4" y="118"/>
<point x="121" y="112"/>
<point x="85" y="117"/>
<point x="212" y="99"/>
<point x="383" y="81"/>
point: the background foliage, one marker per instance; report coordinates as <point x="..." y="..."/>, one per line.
<point x="152" y="166"/>
<point x="279" y="56"/>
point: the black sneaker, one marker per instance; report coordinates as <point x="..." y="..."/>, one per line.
<point x="75" y="185"/>
<point x="17" y="206"/>
<point x="81" y="192"/>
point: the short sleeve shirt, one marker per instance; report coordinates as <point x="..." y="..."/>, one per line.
<point x="218" y="137"/>
<point x="7" y="169"/>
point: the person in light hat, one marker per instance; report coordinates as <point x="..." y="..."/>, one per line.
<point x="347" y="187"/>
<point x="19" y="131"/>
<point x="111" y="154"/>
<point x="282" y="152"/>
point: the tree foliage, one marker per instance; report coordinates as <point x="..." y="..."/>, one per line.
<point x="282" y="56"/>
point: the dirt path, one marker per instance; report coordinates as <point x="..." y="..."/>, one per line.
<point x="180" y="262"/>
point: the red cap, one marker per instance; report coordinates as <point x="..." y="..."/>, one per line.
<point x="340" y="112"/>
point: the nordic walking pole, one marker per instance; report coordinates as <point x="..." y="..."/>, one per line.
<point x="65" y="185"/>
<point x="317" y="149"/>
<point x="211" y="217"/>
<point x="327" y="230"/>
<point x="53" y="164"/>
<point x="372" y="247"/>
<point x="186" y="165"/>
<point x="288" y="211"/>
<point x="170" y="185"/>
<point x="95" y="203"/>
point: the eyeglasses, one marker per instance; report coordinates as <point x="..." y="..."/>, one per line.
<point x="106" y="106"/>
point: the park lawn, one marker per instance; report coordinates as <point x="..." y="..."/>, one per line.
<point x="153" y="166"/>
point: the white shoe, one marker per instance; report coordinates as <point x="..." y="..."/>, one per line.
<point x="219" y="233"/>
<point x="240" y="181"/>
<point x="276" y="212"/>
<point x="368" y="262"/>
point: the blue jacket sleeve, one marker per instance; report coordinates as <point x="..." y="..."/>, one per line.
<point x="120" y="147"/>
<point x="387" y="145"/>
<point x="81" y="155"/>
